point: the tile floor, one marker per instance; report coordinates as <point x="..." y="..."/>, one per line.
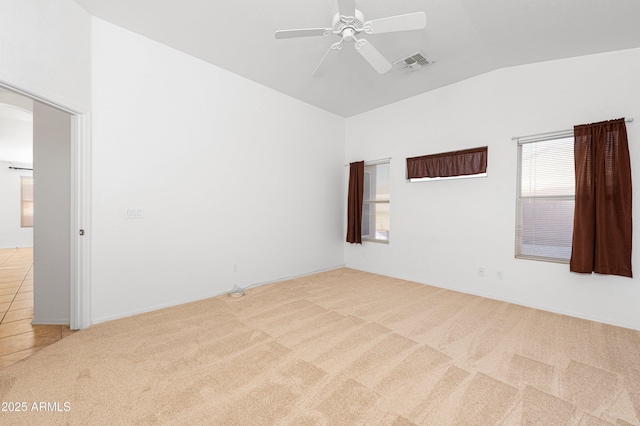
<point x="18" y="338"/>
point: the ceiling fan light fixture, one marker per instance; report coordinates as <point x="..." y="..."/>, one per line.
<point x="348" y="34"/>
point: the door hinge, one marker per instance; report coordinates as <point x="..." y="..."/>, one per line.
<point x="82" y="232"/>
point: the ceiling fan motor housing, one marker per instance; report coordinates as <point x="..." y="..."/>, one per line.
<point x="348" y="26"/>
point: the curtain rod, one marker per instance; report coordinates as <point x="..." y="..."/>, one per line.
<point x="374" y="162"/>
<point x="19" y="168"/>
<point x="559" y="132"/>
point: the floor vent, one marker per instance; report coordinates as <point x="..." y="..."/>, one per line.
<point x="413" y="63"/>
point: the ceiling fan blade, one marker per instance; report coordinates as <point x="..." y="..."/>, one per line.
<point x="327" y="59"/>
<point x="372" y="56"/>
<point x="307" y="32"/>
<point x="410" y="21"/>
<point x="347" y="7"/>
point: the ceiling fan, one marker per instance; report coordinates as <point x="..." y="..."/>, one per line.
<point x="348" y="23"/>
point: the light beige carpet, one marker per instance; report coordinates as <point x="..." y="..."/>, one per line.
<point x="341" y="347"/>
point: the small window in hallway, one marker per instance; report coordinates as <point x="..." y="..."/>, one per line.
<point x="26" y="202"/>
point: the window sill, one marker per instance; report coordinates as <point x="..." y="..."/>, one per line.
<point x="478" y="175"/>
<point x="543" y="259"/>
<point x="371" y="240"/>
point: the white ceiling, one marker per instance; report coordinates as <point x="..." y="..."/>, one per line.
<point x="465" y="38"/>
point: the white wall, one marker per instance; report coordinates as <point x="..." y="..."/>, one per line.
<point x="45" y="49"/>
<point x="441" y="232"/>
<point x="51" y="217"/>
<point x="11" y="234"/>
<point x="226" y="171"/>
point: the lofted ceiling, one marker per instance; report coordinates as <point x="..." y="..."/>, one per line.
<point x="464" y="38"/>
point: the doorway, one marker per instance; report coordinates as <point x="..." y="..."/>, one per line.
<point x="61" y="241"/>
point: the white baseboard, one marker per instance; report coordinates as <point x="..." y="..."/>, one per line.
<point x="595" y="318"/>
<point x="195" y="299"/>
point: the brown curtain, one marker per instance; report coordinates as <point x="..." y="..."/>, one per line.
<point x="602" y="218"/>
<point x="455" y="163"/>
<point x="354" y="202"/>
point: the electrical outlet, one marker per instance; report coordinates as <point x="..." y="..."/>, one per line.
<point x="481" y="272"/>
<point x="499" y="275"/>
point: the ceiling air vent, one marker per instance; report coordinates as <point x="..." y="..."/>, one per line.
<point x="412" y="63"/>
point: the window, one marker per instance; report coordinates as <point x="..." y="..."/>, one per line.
<point x="375" y="206"/>
<point x="545" y="198"/>
<point x="26" y="202"/>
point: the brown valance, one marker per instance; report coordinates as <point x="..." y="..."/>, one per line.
<point x="447" y="164"/>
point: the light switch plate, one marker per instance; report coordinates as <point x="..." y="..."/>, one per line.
<point x="134" y="213"/>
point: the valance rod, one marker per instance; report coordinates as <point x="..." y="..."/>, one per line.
<point x="375" y="162"/>
<point x="550" y="135"/>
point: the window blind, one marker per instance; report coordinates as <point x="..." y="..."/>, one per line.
<point x="375" y="208"/>
<point x="545" y="198"/>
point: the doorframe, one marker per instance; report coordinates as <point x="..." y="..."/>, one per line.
<point x="80" y="191"/>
